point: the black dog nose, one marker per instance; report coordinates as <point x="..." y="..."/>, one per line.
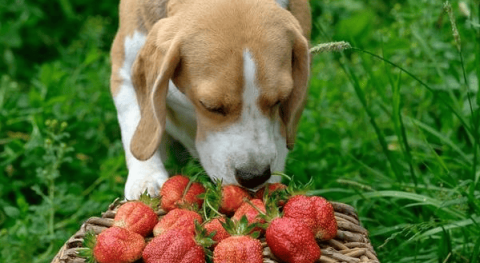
<point x="250" y="178"/>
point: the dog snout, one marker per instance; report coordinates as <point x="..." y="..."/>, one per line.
<point x="251" y="178"/>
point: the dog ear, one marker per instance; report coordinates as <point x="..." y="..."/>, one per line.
<point x="151" y="73"/>
<point x="291" y="109"/>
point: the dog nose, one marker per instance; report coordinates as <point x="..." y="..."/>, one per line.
<point x="251" y="178"/>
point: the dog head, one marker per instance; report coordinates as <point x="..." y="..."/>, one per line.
<point x="244" y="65"/>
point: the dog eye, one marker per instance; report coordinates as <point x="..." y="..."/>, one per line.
<point x="217" y="110"/>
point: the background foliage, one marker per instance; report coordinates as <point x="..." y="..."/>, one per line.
<point x="403" y="151"/>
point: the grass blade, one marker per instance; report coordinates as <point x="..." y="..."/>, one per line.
<point x="474" y="120"/>
<point x="400" y="127"/>
<point x="476" y="252"/>
<point x="406" y="195"/>
<point x="381" y="138"/>
<point x="458" y="224"/>
<point x="441" y="98"/>
<point x="445" y="246"/>
<point x="443" y="139"/>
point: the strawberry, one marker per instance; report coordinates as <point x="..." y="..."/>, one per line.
<point x="232" y="198"/>
<point x="291" y="241"/>
<point x="113" y="245"/>
<point x="178" y="219"/>
<point x="215" y="225"/>
<point x="251" y="212"/>
<point x="316" y="212"/>
<point x="271" y="188"/>
<point x="239" y="247"/>
<point x="137" y="216"/>
<point x="178" y="191"/>
<point x="174" y="246"/>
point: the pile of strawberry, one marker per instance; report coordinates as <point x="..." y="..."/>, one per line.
<point x="214" y="223"/>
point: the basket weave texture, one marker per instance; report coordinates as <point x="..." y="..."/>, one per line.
<point x="351" y="245"/>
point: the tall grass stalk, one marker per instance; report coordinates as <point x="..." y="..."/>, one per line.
<point x="381" y="138"/>
<point x="474" y="117"/>
<point x="397" y="115"/>
<point x="446" y="103"/>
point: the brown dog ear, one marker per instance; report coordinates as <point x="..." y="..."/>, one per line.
<point x="291" y="109"/>
<point x="151" y="72"/>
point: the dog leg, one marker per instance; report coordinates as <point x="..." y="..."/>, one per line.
<point x="146" y="175"/>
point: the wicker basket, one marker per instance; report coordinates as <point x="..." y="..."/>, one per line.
<point x="351" y="244"/>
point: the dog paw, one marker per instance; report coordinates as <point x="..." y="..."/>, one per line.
<point x="138" y="183"/>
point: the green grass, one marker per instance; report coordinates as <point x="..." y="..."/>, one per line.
<point x="397" y="138"/>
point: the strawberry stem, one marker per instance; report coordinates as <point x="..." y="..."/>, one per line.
<point x="254" y="207"/>
<point x="282" y="175"/>
<point x="212" y="199"/>
<point x="212" y="208"/>
<point x="190" y="182"/>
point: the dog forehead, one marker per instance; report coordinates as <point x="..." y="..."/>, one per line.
<point x="225" y="81"/>
<point x="216" y="67"/>
<point x="222" y="28"/>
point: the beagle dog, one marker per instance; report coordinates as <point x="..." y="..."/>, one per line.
<point x="226" y="78"/>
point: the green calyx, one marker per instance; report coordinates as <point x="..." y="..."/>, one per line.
<point x="89" y="242"/>
<point x="153" y="202"/>
<point x="271" y="207"/>
<point x="276" y="196"/>
<point x="187" y="206"/>
<point x="241" y="227"/>
<point x="204" y="239"/>
<point x="294" y="187"/>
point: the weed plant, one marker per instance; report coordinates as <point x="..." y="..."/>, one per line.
<point x="391" y="126"/>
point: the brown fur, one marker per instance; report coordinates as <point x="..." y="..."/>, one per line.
<point x="200" y="47"/>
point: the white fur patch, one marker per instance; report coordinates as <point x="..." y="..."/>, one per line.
<point x="253" y="143"/>
<point x="184" y="130"/>
<point x="142" y="175"/>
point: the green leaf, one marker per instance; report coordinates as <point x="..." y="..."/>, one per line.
<point x="153" y="202"/>
<point x="89" y="242"/>
<point x="11" y="211"/>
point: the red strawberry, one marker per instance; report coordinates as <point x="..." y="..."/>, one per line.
<point x="316" y="212"/>
<point x="238" y="249"/>
<point x="252" y="213"/>
<point x="291" y="241"/>
<point x="136" y="216"/>
<point x="113" y="245"/>
<point x="178" y="219"/>
<point x="174" y="246"/>
<point x="232" y="198"/>
<point x="174" y="196"/>
<point x="191" y="197"/>
<point x="271" y="188"/>
<point x="220" y="232"/>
